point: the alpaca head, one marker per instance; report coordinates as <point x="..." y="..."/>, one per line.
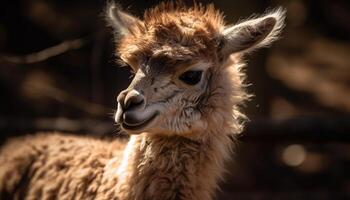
<point x="183" y="82"/>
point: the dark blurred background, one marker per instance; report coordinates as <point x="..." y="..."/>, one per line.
<point x="57" y="72"/>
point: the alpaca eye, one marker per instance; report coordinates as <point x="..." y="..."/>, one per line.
<point x="191" y="77"/>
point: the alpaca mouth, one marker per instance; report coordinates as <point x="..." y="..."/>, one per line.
<point x="131" y="120"/>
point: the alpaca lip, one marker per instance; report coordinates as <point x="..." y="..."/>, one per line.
<point x="131" y="124"/>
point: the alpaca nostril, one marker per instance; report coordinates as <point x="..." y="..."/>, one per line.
<point x="129" y="99"/>
<point x="133" y="99"/>
<point x="133" y="102"/>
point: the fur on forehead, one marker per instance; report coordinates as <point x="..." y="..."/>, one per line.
<point x="174" y="29"/>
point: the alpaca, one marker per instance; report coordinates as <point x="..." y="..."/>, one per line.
<point x="181" y="110"/>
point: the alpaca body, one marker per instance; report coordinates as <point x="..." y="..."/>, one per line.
<point x="58" y="166"/>
<point x="171" y="167"/>
<point x="181" y="111"/>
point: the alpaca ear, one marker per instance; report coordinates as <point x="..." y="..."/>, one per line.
<point x="119" y="20"/>
<point x="253" y="33"/>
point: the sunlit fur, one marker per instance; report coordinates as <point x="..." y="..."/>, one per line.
<point x="179" y="155"/>
<point x="171" y="40"/>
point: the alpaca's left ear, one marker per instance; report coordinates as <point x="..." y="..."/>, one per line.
<point x="120" y="20"/>
<point x="253" y="33"/>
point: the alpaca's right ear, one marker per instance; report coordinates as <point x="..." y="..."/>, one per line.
<point x="119" y="20"/>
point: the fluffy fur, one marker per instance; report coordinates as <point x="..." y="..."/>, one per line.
<point x="58" y="166"/>
<point x="181" y="153"/>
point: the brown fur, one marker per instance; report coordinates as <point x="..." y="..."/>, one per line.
<point x="175" y="32"/>
<point x="58" y="166"/>
<point x="183" y="155"/>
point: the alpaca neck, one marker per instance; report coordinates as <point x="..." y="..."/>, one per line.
<point x="159" y="167"/>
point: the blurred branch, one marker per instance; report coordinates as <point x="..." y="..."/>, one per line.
<point x="301" y="129"/>
<point x="38" y="89"/>
<point x="46" y="53"/>
<point x="81" y="104"/>
<point x="87" y="126"/>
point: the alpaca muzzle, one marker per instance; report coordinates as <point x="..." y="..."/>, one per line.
<point x="132" y="113"/>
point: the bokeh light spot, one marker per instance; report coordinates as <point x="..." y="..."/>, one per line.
<point x="294" y="155"/>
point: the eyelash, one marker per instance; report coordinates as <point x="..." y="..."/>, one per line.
<point x="132" y="74"/>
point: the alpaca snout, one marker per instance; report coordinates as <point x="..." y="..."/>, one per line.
<point x="129" y="101"/>
<point x="133" y="100"/>
<point x="132" y="112"/>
